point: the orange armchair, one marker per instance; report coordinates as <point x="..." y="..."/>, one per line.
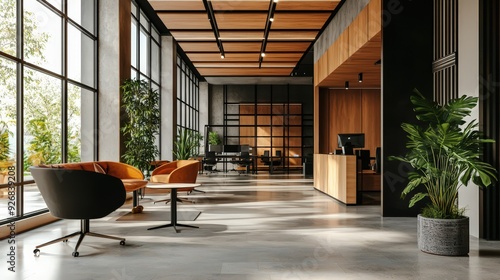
<point x="180" y="171"/>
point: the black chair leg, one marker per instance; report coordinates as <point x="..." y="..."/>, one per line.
<point x="84" y="230"/>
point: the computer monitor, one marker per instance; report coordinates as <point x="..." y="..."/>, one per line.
<point x="231" y="148"/>
<point x="348" y="141"/>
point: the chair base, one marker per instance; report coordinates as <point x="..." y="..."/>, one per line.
<point x="84" y="230"/>
<point x="181" y="200"/>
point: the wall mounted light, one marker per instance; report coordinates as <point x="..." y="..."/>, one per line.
<point x="346" y="84"/>
<point x="360" y="77"/>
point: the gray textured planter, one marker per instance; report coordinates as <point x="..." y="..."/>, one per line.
<point x="448" y="237"/>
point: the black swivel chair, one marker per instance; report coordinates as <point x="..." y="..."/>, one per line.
<point x="79" y="195"/>
<point x="210" y="162"/>
<point x="244" y="162"/>
<point x="265" y="158"/>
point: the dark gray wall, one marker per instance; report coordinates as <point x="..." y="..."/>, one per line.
<point x="407" y="52"/>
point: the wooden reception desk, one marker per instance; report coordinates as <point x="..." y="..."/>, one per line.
<point x="335" y="175"/>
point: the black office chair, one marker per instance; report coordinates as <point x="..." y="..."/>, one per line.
<point x="265" y="158"/>
<point x="80" y="195"/>
<point x="244" y="162"/>
<point x="210" y="162"/>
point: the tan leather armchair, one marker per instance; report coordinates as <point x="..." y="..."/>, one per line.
<point x="180" y="171"/>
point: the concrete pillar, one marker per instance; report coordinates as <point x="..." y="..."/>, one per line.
<point x="468" y="84"/>
<point x="168" y="98"/>
<point x="114" y="67"/>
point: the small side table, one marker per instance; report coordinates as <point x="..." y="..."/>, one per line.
<point x="173" y="202"/>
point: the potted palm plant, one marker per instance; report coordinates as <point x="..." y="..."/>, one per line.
<point x="187" y="144"/>
<point x="141" y="103"/>
<point x="214" y="142"/>
<point x="445" y="152"/>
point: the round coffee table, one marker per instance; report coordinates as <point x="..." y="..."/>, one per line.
<point x="173" y="201"/>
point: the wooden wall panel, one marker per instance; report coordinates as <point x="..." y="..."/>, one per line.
<point x="345" y="114"/>
<point x="358" y="32"/>
<point x="371" y="119"/>
<point x="323" y="118"/>
<point x="374" y="18"/>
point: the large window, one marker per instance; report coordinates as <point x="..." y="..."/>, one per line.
<point x="145" y="51"/>
<point x="188" y="101"/>
<point x="48" y="92"/>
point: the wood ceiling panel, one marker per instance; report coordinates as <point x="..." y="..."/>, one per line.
<point x="240" y="5"/>
<point x="199" y="47"/>
<point x="249" y="35"/>
<point x="287" y="46"/>
<point x="200" y="57"/>
<point x="193" y="35"/>
<point x="226" y="64"/>
<point x="237" y="72"/>
<point x="279" y="64"/>
<point x="241" y="20"/>
<point x="183" y="5"/>
<point x="175" y="21"/>
<point x="292" y="35"/>
<point x="328" y="5"/>
<point x="242" y="47"/>
<point x="299" y="20"/>
<point x="282" y="57"/>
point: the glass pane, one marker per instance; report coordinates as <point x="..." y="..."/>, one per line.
<point x="80" y="124"/>
<point x="42" y="118"/>
<point x="56" y="3"/>
<point x="155" y="62"/>
<point x="144" y="21"/>
<point x="8" y="173"/>
<point x="133" y="43"/>
<point x="134" y="9"/>
<point x="42" y="128"/>
<point x="80" y="57"/>
<point x="82" y="12"/>
<point x="8" y="23"/>
<point x="42" y="36"/>
<point x="155" y="34"/>
<point x="144" y="53"/>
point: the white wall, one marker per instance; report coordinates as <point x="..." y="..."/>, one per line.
<point x="468" y="84"/>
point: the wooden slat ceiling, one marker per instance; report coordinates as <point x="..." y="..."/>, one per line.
<point x="241" y="26"/>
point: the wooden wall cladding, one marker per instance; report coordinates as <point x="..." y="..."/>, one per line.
<point x="353" y="44"/>
<point x="349" y="111"/>
<point x="371" y="119"/>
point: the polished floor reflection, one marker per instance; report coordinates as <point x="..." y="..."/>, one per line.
<point x="250" y="227"/>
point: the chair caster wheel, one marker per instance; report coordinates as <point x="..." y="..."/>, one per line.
<point x="65" y="240"/>
<point x="75" y="254"/>
<point x="122" y="242"/>
<point x="36" y="252"/>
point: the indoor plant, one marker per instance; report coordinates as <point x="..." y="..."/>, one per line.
<point x="445" y="153"/>
<point x="214" y="142"/>
<point x="141" y="103"/>
<point x="187" y="144"/>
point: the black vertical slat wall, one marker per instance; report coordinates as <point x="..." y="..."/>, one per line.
<point x="489" y="106"/>
<point x="445" y="61"/>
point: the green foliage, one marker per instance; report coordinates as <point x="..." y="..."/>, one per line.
<point x="4" y="142"/>
<point x="445" y="153"/>
<point x="45" y="145"/>
<point x="187" y="144"/>
<point x="213" y="138"/>
<point x="141" y="103"/>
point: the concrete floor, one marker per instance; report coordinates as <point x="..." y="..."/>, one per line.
<point x="251" y="227"/>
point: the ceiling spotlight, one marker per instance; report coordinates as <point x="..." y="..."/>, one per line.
<point x="262" y="54"/>
<point x="271" y="19"/>
<point x="275" y="1"/>
<point x="222" y="56"/>
<point x="346" y="84"/>
<point x="360" y="77"/>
